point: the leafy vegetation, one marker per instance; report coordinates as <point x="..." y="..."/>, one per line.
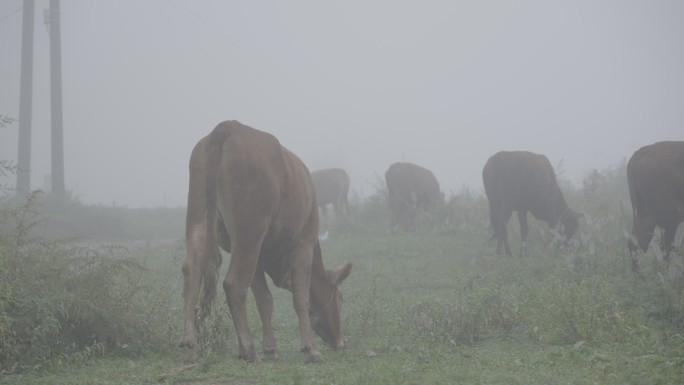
<point x="63" y="302"/>
<point x="6" y="120"/>
<point x="430" y="307"/>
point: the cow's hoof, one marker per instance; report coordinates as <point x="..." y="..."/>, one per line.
<point x="252" y="359"/>
<point x="249" y="356"/>
<point x="270" y="354"/>
<point x="315" y="358"/>
<point x="188" y="356"/>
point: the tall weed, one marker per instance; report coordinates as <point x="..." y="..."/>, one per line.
<point x="569" y="308"/>
<point x="60" y="303"/>
<point x="476" y="309"/>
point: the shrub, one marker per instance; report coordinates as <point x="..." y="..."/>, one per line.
<point x="593" y="299"/>
<point x="467" y="212"/>
<point x="62" y="303"/>
<point x="478" y="308"/>
<point x="569" y="308"/>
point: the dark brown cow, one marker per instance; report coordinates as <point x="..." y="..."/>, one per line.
<point x="411" y="189"/>
<point x="655" y="175"/>
<point x="332" y="187"/>
<point x="255" y="199"/>
<point x="523" y="181"/>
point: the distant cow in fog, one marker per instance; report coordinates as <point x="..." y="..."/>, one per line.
<point x="332" y="187"/>
<point x="411" y="189"/>
<point x="523" y="181"/>
<point x="655" y="175"/>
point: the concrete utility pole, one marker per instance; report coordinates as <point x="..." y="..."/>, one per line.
<point x="56" y="99"/>
<point x="25" y="100"/>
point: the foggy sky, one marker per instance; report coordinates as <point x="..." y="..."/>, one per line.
<point x="353" y="84"/>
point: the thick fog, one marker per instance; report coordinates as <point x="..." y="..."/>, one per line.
<point x="352" y="84"/>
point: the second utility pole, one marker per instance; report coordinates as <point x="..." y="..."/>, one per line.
<point x="25" y="100"/>
<point x="56" y="100"/>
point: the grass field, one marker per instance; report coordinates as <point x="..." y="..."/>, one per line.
<point x="430" y="307"/>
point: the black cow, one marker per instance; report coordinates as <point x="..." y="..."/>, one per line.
<point x="655" y="175"/>
<point x="411" y="189"/>
<point x="523" y="181"/>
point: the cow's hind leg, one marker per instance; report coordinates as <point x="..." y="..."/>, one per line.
<point x="242" y="268"/>
<point x="192" y="280"/>
<point x="524" y="230"/>
<point x="501" y="234"/>
<point x="642" y="233"/>
<point x="264" y="301"/>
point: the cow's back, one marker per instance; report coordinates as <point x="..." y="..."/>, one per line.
<point x="262" y="185"/>
<point x="519" y="179"/>
<point x="410" y="181"/>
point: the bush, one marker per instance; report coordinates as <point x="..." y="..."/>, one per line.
<point x="62" y="303"/>
<point x="569" y="308"/>
<point x="467" y="212"/>
<point x="477" y="309"/>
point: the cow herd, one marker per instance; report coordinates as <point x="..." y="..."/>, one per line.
<point x="255" y="199"/>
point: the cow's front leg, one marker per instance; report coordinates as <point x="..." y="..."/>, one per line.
<point x="300" y="282"/>
<point x="264" y="301"/>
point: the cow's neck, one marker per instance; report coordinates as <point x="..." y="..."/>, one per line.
<point x="555" y="210"/>
<point x="320" y="289"/>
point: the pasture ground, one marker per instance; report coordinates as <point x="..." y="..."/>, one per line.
<point x="435" y="308"/>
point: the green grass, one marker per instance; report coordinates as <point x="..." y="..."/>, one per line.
<point x="439" y="309"/>
<point x="490" y="362"/>
<point x="430" y="307"/>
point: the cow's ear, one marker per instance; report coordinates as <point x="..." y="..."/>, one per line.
<point x="337" y="276"/>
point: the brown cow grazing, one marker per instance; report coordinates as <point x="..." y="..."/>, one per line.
<point x="411" y="189"/>
<point x="332" y="187"/>
<point x="523" y="181"/>
<point x="655" y="175"/>
<point x="255" y="199"/>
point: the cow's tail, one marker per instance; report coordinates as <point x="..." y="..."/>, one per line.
<point x="210" y="270"/>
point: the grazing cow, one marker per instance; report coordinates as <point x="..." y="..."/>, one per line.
<point x="332" y="187"/>
<point x="655" y="175"/>
<point x="410" y="189"/>
<point x="255" y="199"/>
<point x="523" y="181"/>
